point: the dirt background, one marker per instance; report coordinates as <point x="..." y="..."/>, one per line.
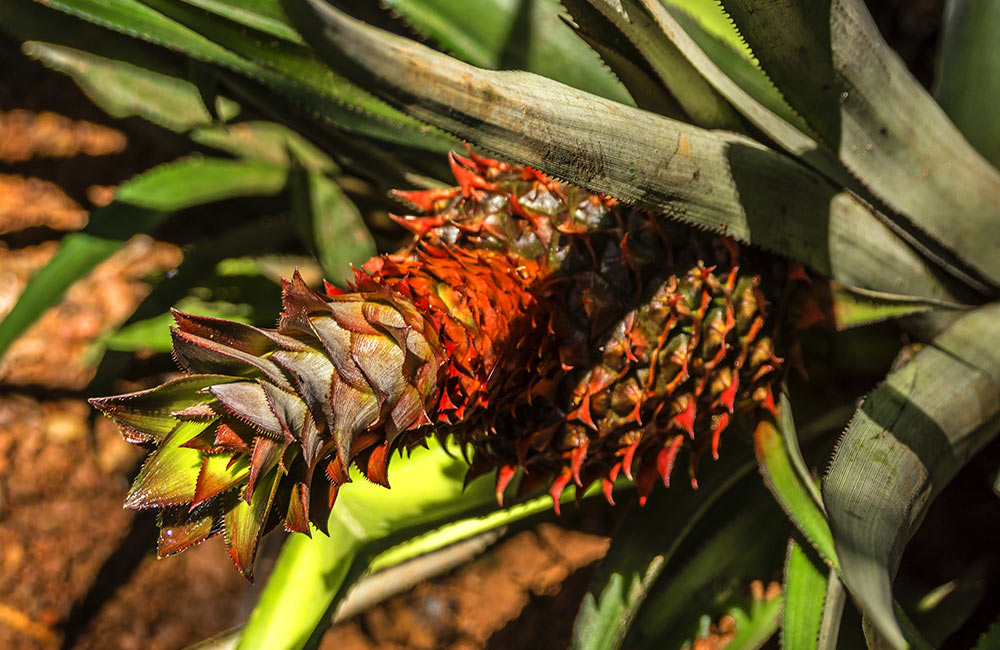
<point x="77" y="571"/>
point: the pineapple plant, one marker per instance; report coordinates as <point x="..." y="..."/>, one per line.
<point x="610" y="291"/>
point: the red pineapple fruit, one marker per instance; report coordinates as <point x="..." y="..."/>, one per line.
<point x="542" y="326"/>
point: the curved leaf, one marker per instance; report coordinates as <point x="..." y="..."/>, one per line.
<point x="124" y="90"/>
<point x="625" y="61"/>
<point x="709" y="578"/>
<point x="714" y="180"/>
<point x="367" y="527"/>
<point x="332" y="224"/>
<point x="790" y="488"/>
<point x="805" y="595"/>
<point x="834" y="68"/>
<point x="265" y="16"/>
<point x="910" y="437"/>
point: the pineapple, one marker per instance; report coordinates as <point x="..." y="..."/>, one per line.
<point x="542" y="326"/>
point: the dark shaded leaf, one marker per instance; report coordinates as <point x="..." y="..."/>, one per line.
<point x="838" y="73"/>
<point x="331" y="224"/>
<point x="910" y="437"/>
<point x="639" y="552"/>
<point x="708" y="578"/>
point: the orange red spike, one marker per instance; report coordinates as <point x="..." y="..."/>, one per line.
<point x="646" y="480"/>
<point x="719" y="424"/>
<point x="557" y="487"/>
<point x="666" y="458"/>
<point x="627" y="458"/>
<point x="577" y="456"/>
<point x="505" y="474"/>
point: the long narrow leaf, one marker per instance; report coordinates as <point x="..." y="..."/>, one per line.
<point x="694" y="94"/>
<point x="367" y="526"/>
<point x="711" y="179"/>
<point x="910" y="437"/>
<point x="265" y="16"/>
<point x="709" y="578"/>
<point x="835" y="69"/>
<point x="122" y="89"/>
<point x="139" y="205"/>
<point x="790" y="489"/>
<point x="332" y="224"/>
<point x="805" y="594"/>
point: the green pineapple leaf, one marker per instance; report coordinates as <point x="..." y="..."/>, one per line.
<point x="835" y="69"/>
<point x="734" y="75"/>
<point x="157" y="92"/>
<point x="622" y="57"/>
<point x="264" y="16"/>
<point x="715" y="180"/>
<point x="330" y="223"/>
<point x="806" y="591"/>
<point x="786" y="476"/>
<point x="372" y="528"/>
<point x="909" y="438"/>
<point x="284" y="67"/>
<point x="853" y="307"/>
<point x="124" y="89"/>
<point x="709" y="578"/>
